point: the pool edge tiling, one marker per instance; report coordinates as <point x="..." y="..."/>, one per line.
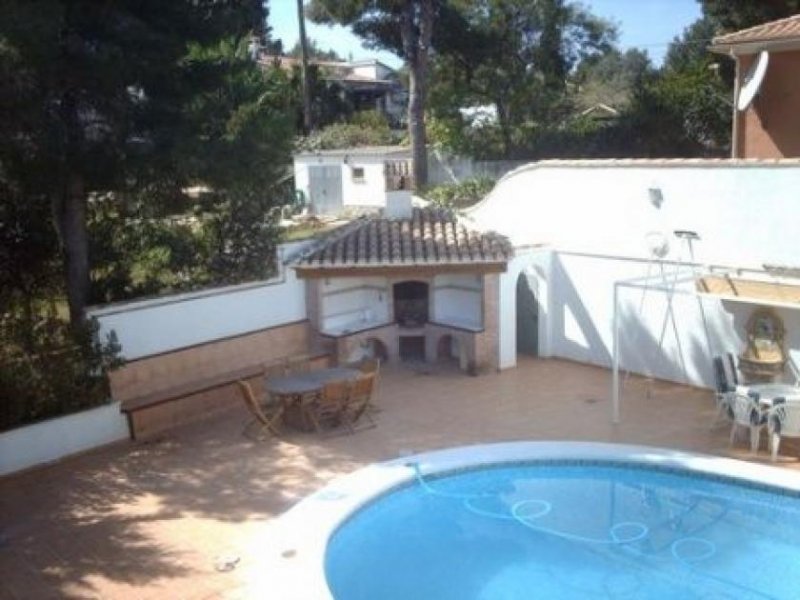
<point x="297" y="548"/>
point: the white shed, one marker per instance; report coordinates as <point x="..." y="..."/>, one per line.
<point x="334" y="181"/>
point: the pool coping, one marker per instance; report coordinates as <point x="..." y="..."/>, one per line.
<point x="295" y="561"/>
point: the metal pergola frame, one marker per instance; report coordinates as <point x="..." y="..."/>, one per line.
<point x="656" y="283"/>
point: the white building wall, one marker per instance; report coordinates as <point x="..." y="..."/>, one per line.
<point x="369" y="70"/>
<point x="367" y="192"/>
<point x="371" y="191"/>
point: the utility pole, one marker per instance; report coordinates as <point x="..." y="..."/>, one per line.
<point x="308" y="123"/>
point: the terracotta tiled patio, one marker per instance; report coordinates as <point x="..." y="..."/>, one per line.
<point x="150" y="520"/>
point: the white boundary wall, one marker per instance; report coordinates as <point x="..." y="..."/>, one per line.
<point x="53" y="439"/>
<point x="592" y="218"/>
<point x="745" y="211"/>
<point x="150" y="327"/>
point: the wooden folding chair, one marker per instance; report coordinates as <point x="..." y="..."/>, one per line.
<point x="372" y="366"/>
<point x="356" y="411"/>
<point x="264" y="417"/>
<point x="327" y="409"/>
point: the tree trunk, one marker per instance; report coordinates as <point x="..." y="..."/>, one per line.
<point x="503" y="120"/>
<point x="70" y="216"/>
<point x="416" y="128"/>
<point x="416" y="27"/>
<point x="308" y="120"/>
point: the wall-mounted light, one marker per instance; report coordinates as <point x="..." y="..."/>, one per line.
<point x="656" y="196"/>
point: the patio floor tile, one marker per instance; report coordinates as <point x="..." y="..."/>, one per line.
<point x="151" y="520"/>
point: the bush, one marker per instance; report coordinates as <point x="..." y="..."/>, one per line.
<point x="459" y="195"/>
<point x="367" y="128"/>
<point x="48" y="369"/>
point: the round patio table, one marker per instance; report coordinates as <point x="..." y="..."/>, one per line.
<point x="291" y="389"/>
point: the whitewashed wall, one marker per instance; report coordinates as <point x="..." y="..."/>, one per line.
<point x="535" y="263"/>
<point x="51" y="440"/>
<point x="371" y="192"/>
<point x="745" y="212"/>
<point x="149" y="327"/>
<point x="457" y="300"/>
<point x="593" y="220"/>
<point x="351" y="303"/>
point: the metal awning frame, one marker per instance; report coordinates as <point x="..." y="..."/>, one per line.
<point x="681" y="274"/>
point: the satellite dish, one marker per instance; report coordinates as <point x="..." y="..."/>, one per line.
<point x="753" y="80"/>
<point x="657" y="244"/>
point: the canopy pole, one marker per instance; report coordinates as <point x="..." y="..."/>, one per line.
<point x="615" y="371"/>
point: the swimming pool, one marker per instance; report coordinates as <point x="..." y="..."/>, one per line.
<point x="516" y="521"/>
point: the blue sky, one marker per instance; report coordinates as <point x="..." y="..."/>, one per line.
<point x="647" y="24"/>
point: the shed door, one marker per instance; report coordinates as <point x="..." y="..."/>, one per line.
<point x="325" y="188"/>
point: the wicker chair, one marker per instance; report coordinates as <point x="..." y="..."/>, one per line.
<point x="265" y="415"/>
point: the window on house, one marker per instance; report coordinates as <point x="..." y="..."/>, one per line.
<point x="358" y="173"/>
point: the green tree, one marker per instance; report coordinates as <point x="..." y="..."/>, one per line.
<point x="517" y="56"/>
<point x="315" y="52"/>
<point x="404" y="27"/>
<point x="95" y="96"/>
<point x="732" y="15"/>
<point x="685" y="108"/>
<point x="610" y="78"/>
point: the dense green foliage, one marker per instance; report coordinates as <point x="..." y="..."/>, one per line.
<point x="365" y="128"/>
<point x="112" y="112"/>
<point x="732" y="15"/>
<point x="459" y="195"/>
<point x="518" y="59"/>
<point x="136" y="99"/>
<point x="48" y="368"/>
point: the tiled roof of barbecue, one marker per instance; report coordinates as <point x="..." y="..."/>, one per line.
<point x="766" y="35"/>
<point x="432" y="236"/>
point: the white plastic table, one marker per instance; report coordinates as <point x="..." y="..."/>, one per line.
<point x="769" y="391"/>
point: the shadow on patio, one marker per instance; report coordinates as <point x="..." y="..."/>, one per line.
<point x="149" y="520"/>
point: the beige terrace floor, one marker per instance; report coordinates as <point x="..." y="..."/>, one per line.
<point x="149" y="520"/>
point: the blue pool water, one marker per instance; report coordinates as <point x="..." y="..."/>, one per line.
<point x="568" y="531"/>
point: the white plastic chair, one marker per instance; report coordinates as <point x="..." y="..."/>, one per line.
<point x="724" y="392"/>
<point x="747" y="413"/>
<point x="783" y="420"/>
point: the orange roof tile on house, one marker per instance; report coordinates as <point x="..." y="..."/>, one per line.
<point x="783" y="34"/>
<point x="431" y="237"/>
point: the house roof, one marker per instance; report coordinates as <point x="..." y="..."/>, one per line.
<point x="783" y="34"/>
<point x="432" y="237"/>
<point x="385" y="151"/>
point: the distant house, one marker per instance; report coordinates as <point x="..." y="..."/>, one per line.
<point x="352" y="179"/>
<point x="769" y="127"/>
<point x="370" y="84"/>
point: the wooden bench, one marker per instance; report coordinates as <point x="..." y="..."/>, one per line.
<point x="152" y="413"/>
